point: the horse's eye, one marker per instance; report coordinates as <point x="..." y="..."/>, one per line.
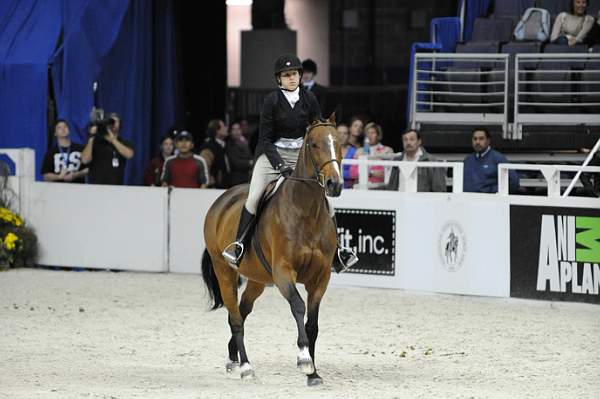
<point x="314" y="145"/>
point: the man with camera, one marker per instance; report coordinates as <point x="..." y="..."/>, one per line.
<point x="106" y="152"/>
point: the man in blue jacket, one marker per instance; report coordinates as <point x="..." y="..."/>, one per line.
<point x="481" y="167"/>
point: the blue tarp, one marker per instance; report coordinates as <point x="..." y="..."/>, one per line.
<point x="110" y="41"/>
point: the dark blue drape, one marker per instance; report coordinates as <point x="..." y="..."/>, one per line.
<point x="29" y="30"/>
<point x="109" y="41"/>
<point x="473" y="9"/>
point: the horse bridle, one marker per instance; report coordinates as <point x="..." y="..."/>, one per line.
<point x="318" y="176"/>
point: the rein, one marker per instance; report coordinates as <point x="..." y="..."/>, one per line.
<point x="317" y="175"/>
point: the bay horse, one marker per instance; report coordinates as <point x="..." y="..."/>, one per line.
<point x="298" y="241"/>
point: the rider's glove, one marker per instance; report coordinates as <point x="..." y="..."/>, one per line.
<point x="285" y="170"/>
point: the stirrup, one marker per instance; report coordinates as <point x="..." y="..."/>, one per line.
<point x="233" y="252"/>
<point x="346" y="258"/>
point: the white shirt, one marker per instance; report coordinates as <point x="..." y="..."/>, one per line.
<point x="308" y="85"/>
<point x="416" y="158"/>
<point x="292" y="96"/>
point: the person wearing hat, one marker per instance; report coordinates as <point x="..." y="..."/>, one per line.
<point x="308" y="81"/>
<point x="185" y="169"/>
<point x="285" y="116"/>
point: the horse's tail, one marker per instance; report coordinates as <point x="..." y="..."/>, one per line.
<point x="211" y="282"/>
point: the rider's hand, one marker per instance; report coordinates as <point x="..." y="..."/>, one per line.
<point x="286" y="170"/>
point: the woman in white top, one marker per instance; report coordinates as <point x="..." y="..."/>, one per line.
<point x="571" y="28"/>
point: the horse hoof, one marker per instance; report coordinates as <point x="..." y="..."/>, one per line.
<point x="231" y="366"/>
<point x="246" y="372"/>
<point x="306" y="366"/>
<point x="314" y="381"/>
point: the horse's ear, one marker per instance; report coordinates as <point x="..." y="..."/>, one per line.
<point x="332" y="118"/>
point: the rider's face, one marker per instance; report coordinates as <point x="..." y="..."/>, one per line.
<point x="290" y="80"/>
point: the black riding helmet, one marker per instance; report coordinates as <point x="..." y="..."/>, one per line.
<point x="287" y="62"/>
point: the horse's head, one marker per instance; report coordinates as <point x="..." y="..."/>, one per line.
<point x="323" y="155"/>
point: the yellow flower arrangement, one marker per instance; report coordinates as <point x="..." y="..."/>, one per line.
<point x="9" y="217"/>
<point x="10" y="241"/>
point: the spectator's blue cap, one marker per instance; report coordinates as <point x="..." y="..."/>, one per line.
<point x="184" y="135"/>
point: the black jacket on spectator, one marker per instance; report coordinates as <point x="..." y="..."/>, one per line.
<point x="219" y="168"/>
<point x="320" y="93"/>
<point x="240" y="159"/>
<point x="102" y="169"/>
<point x="279" y="120"/>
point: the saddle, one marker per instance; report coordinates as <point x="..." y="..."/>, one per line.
<point x="251" y="234"/>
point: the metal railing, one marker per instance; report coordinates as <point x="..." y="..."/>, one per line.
<point x="408" y="176"/>
<point x="556" y="89"/>
<point x="551" y="174"/>
<point x="466" y="89"/>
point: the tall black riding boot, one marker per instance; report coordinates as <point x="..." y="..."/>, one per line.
<point x="234" y="251"/>
<point x="345" y="257"/>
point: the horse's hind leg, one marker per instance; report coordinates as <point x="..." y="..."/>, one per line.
<point x="228" y="282"/>
<point x="285" y="283"/>
<point x="253" y="290"/>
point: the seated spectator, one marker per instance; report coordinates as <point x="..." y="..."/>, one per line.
<point x="154" y="169"/>
<point x="106" y="153"/>
<point x="428" y="179"/>
<point x="572" y="27"/>
<point x="356" y="132"/>
<point x="593" y="36"/>
<point x="481" y="167"/>
<point x="374" y="149"/>
<point x="62" y="162"/>
<point x="348" y="151"/>
<point x="213" y="152"/>
<point x="185" y="169"/>
<point x="239" y="154"/>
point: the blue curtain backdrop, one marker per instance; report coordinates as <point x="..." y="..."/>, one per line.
<point x="82" y="41"/>
<point x="28" y="33"/>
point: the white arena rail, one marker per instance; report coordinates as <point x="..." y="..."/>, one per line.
<point x="408" y="172"/>
<point x="551" y="174"/>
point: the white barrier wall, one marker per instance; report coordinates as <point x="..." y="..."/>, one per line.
<point x="188" y="209"/>
<point x="423" y="221"/>
<point x="100" y="226"/>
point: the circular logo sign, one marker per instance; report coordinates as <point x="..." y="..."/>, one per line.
<point x="452" y="246"/>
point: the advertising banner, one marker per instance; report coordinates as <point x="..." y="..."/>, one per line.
<point x="555" y="253"/>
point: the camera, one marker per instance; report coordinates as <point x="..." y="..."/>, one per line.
<point x="101" y="123"/>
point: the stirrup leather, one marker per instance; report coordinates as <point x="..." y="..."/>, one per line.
<point x="233" y="252"/>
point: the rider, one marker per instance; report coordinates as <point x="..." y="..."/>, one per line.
<point x="285" y="115"/>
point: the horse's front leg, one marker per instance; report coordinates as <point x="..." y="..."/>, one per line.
<point x="285" y="282"/>
<point x="312" y="330"/>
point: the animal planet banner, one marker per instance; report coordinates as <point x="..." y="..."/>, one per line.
<point x="372" y="235"/>
<point x="555" y="253"/>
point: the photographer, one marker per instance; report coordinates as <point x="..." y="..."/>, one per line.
<point x="106" y="152"/>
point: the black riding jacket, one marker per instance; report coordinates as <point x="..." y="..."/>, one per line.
<point x="279" y="120"/>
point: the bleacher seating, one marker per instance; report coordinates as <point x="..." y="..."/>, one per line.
<point x="511" y="8"/>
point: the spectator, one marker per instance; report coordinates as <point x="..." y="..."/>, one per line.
<point x="308" y="80"/>
<point x="62" y="162"/>
<point x="374" y="150"/>
<point x="428" y="179"/>
<point x="593" y="36"/>
<point x="106" y="152"/>
<point x="481" y="167"/>
<point x="239" y="155"/>
<point x="348" y="151"/>
<point x="572" y="27"/>
<point x="154" y="169"/>
<point x="356" y="132"/>
<point x="185" y="169"/>
<point x="213" y="152"/>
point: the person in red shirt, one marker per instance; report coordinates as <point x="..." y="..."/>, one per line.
<point x="154" y="169"/>
<point x="185" y="169"/>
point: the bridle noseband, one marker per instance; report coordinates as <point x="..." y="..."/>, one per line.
<point x="318" y="176"/>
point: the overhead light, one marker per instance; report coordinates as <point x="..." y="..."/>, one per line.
<point x="238" y="2"/>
